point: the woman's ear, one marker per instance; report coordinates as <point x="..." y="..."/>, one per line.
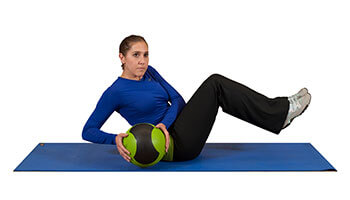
<point x="122" y="58"/>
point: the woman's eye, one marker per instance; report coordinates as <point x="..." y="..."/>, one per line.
<point x="136" y="55"/>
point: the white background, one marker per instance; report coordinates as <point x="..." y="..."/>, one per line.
<point x="57" y="57"/>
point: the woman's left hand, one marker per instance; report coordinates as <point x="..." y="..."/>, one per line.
<point x="162" y="127"/>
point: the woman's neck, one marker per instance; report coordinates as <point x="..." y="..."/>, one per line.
<point x="132" y="77"/>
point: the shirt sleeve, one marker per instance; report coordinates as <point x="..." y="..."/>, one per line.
<point x="177" y="102"/>
<point x="107" y="104"/>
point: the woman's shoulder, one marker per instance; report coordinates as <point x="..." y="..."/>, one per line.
<point x="111" y="91"/>
<point x="153" y="72"/>
<point x="114" y="88"/>
<point x="152" y="69"/>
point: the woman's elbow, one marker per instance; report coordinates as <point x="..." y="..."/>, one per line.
<point x="85" y="135"/>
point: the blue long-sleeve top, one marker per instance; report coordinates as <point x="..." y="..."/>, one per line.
<point x="138" y="101"/>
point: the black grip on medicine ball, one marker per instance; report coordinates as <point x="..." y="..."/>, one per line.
<point x="145" y="151"/>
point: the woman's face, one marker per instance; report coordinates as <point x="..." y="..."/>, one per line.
<point x="135" y="61"/>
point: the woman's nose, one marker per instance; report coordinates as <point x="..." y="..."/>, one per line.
<point x="142" y="60"/>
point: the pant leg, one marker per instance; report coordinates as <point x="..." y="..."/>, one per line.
<point x="192" y="126"/>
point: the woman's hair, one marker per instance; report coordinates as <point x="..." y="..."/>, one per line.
<point x="126" y="44"/>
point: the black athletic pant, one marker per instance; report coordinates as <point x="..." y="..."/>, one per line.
<point x="192" y="126"/>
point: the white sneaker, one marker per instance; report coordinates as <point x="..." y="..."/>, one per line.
<point x="301" y="93"/>
<point x="296" y="107"/>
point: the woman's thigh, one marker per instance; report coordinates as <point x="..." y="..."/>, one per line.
<point x="192" y="127"/>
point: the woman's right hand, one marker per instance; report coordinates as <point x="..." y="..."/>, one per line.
<point x="122" y="150"/>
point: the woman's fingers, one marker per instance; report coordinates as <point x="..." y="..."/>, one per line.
<point x="127" y="158"/>
<point x="166" y="133"/>
<point x="166" y="141"/>
<point x="121" y="143"/>
<point x="124" y="155"/>
<point x="122" y="150"/>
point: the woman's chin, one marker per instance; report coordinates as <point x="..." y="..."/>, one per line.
<point x="140" y="74"/>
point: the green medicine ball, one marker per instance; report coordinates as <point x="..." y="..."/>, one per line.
<point x="146" y="144"/>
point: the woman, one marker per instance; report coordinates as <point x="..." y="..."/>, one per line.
<point x="140" y="95"/>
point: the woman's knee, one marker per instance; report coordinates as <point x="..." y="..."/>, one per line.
<point x="214" y="79"/>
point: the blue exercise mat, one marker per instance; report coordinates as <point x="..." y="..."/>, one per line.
<point x="214" y="157"/>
